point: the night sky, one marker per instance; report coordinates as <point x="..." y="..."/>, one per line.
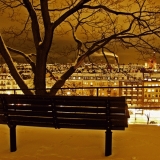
<point x="132" y="55"/>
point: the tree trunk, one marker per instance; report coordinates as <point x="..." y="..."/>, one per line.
<point x="40" y="74"/>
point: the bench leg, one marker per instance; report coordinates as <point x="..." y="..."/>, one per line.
<point x="108" y="143"/>
<point x="13" y="146"/>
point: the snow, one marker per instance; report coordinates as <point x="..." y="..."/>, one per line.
<point x="137" y="142"/>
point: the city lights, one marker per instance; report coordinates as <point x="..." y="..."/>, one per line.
<point x="141" y="88"/>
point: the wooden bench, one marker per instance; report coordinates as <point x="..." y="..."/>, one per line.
<point x="102" y="113"/>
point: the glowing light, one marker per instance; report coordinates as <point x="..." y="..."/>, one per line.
<point x="68" y="93"/>
<point x="8" y="92"/>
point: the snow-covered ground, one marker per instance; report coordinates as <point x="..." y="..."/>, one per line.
<point x="137" y="142"/>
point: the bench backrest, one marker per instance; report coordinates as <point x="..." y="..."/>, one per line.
<point x="65" y="111"/>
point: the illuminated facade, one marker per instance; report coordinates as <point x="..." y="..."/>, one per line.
<point x="140" y="85"/>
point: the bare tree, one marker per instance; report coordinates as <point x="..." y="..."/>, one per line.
<point x="94" y="25"/>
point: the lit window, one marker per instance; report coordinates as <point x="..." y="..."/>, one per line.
<point x="149" y="90"/>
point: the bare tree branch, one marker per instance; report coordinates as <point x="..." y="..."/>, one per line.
<point x="34" y="23"/>
<point x="6" y="55"/>
<point x="25" y="56"/>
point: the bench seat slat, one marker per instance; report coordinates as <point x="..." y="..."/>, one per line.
<point x="66" y="109"/>
<point x="21" y="111"/>
<point x="35" y="108"/>
<point x="88" y="109"/>
<point x="37" y="124"/>
<point x="90" y="127"/>
<point x="120" y="99"/>
<point x="89" y="121"/>
<point x="30" y="118"/>
<point x="33" y="101"/>
<point x="25" y="99"/>
<point x="81" y="103"/>
<point x="91" y="103"/>
<point x="89" y="115"/>
<point x="18" y="105"/>
<point x="29" y="113"/>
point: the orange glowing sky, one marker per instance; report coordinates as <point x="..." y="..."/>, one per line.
<point x="133" y="56"/>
